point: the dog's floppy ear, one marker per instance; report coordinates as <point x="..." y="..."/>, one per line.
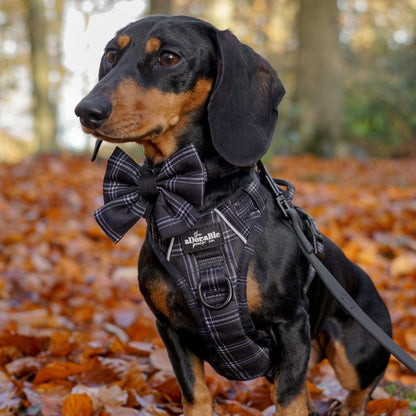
<point x="242" y="111"/>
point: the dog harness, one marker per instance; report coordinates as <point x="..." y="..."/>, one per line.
<point x="210" y="264"/>
<point x="206" y="253"/>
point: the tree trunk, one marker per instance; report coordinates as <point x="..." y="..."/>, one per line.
<point x="319" y="91"/>
<point x="44" y="110"/>
<point x="161" y="7"/>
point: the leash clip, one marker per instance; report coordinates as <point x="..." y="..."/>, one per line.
<point x="317" y="239"/>
<point x="278" y="194"/>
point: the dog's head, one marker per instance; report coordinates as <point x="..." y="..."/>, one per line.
<point x="165" y="81"/>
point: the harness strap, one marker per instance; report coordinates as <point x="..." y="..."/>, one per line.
<point x="339" y="293"/>
<point x="287" y="192"/>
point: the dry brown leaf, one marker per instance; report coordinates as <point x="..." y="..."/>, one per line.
<point x="383" y="406"/>
<point x="77" y="405"/>
<point x="404" y="264"/>
<point x="160" y="360"/>
<point x="165" y="382"/>
<point x="23" y="366"/>
<point x="103" y="396"/>
<point x="8" y="394"/>
<point x="232" y="407"/>
<point x="27" y="345"/>
<point x="50" y="396"/>
<point x="101" y="370"/>
<point x="61" y="344"/>
<point x="57" y="370"/>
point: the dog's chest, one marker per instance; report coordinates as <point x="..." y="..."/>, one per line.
<point x="209" y="266"/>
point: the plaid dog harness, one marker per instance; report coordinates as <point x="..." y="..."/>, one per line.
<point x="210" y="264"/>
<point x="207" y="253"/>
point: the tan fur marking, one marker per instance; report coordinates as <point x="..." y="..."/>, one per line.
<point x="160" y="148"/>
<point x="344" y="370"/>
<point x="356" y="402"/>
<point x="153" y="45"/>
<point x="159" y="292"/>
<point x="202" y="405"/>
<point x="310" y="404"/>
<point x="316" y="354"/>
<point x="123" y="41"/>
<point x="318" y="346"/>
<point x="151" y="117"/>
<point x="253" y="291"/>
<point x="297" y="406"/>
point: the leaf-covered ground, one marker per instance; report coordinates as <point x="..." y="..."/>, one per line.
<point x="76" y="337"/>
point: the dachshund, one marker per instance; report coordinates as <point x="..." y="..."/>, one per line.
<point x="168" y="82"/>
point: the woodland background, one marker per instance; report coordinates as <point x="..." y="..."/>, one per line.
<point x="75" y="335"/>
<point x="348" y="67"/>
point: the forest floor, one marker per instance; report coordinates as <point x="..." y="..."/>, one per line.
<point x="76" y="337"/>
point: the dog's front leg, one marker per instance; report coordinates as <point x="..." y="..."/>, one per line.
<point x="190" y="373"/>
<point x="293" y="348"/>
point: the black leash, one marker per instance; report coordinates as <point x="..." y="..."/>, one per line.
<point x="339" y="293"/>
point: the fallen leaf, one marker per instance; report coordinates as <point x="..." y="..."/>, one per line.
<point x="165" y="382"/>
<point x="160" y="360"/>
<point x="77" y="405"/>
<point x="404" y="264"/>
<point x="57" y="370"/>
<point x="61" y="344"/>
<point x="383" y="406"/>
<point x="103" y="396"/>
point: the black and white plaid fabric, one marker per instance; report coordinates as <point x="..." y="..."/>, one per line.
<point x="179" y="188"/>
<point x="235" y="349"/>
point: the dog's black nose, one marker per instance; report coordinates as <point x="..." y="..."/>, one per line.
<point x="93" y="111"/>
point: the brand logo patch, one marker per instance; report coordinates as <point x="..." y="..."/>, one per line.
<point x="202" y="238"/>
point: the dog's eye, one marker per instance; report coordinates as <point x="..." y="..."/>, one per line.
<point x="168" y="59"/>
<point x="111" y="56"/>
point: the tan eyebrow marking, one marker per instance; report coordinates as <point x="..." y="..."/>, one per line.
<point x="152" y="45"/>
<point x="123" y="41"/>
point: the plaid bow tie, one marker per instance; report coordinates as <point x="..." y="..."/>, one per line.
<point x="129" y="188"/>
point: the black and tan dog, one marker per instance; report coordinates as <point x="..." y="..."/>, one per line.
<point x="165" y="82"/>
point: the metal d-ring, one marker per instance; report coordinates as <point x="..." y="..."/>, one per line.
<point x="203" y="300"/>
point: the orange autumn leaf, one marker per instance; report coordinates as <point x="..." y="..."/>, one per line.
<point x="57" y="370"/>
<point x="77" y="405"/>
<point x="235" y="408"/>
<point x="26" y="345"/>
<point x="385" y="406"/>
<point x="312" y="388"/>
<point x="60" y="343"/>
<point x="165" y="382"/>
<point x="403" y="265"/>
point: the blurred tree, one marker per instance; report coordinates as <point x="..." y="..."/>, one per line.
<point x="379" y="54"/>
<point x="161" y="7"/>
<point x="318" y="94"/>
<point x="13" y="48"/>
<point x="348" y="87"/>
<point x="43" y="103"/>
